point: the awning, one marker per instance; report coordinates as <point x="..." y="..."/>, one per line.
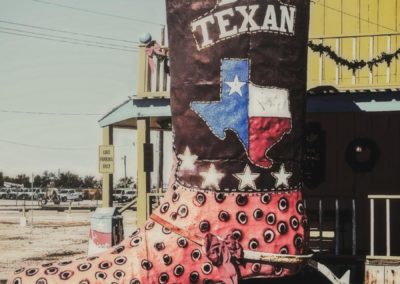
<point x="126" y="114"/>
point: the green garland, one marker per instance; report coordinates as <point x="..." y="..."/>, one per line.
<point x="354" y="64"/>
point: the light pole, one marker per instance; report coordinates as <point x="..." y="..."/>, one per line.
<point x="124" y="158"/>
<point x="32" y="201"/>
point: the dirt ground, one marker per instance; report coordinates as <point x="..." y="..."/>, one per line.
<point x="52" y="236"/>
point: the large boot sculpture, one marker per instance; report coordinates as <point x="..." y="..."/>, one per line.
<point x="234" y="208"/>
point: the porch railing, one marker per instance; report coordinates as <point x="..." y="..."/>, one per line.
<point x="387" y="199"/>
<point x="329" y="218"/>
<point x="322" y="71"/>
<point x="153" y="78"/>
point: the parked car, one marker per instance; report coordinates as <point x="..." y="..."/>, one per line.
<point x="3" y="193"/>
<point x="128" y="195"/>
<point x="117" y="194"/>
<point x="24" y="194"/>
<point x="70" y="195"/>
<point x="123" y="194"/>
<point x="81" y="193"/>
<point x="27" y="193"/>
<point x="13" y="193"/>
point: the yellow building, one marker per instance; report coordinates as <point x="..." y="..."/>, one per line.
<point x="355" y="117"/>
<point x="355" y="30"/>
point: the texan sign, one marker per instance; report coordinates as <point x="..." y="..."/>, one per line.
<point x="238" y="82"/>
<point x="275" y="19"/>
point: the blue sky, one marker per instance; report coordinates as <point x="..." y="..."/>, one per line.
<point x="45" y="76"/>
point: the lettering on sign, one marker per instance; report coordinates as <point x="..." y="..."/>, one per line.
<point x="232" y="20"/>
<point x="106" y="159"/>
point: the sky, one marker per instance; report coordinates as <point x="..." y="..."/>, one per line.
<point x="59" y="78"/>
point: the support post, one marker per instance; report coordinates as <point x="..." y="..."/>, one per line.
<point x="337" y="228"/>
<point x="144" y="79"/>
<point x="320" y="226"/>
<point x="107" y="178"/>
<point x="161" y="160"/>
<point x="354" y="227"/>
<point x="372" y="227"/>
<point x="338" y="51"/>
<point x="143" y="180"/>
<point x="353" y="77"/>
<point x="387" y="227"/>
<point x="371" y="56"/>
<point x="388" y="50"/>
<point x="321" y="67"/>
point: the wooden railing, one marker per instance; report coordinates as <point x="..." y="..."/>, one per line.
<point x="388" y="199"/>
<point x="323" y="71"/>
<point x="329" y="218"/>
<point x="152" y="82"/>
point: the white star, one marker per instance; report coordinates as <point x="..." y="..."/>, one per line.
<point x="211" y="177"/>
<point x="246" y="178"/>
<point x="282" y="177"/>
<point x="236" y="86"/>
<point x="188" y="160"/>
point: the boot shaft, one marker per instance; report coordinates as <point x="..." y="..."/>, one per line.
<point x="238" y="84"/>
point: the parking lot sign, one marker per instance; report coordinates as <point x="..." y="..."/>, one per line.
<point x="106" y="159"/>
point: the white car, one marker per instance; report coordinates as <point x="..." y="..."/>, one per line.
<point x="70" y="195"/>
<point x="28" y="194"/>
<point x="3" y="193"/>
<point x="120" y="195"/>
<point x="128" y="195"/>
<point x="117" y="194"/>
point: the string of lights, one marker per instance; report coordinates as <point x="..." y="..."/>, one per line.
<point x="354" y="64"/>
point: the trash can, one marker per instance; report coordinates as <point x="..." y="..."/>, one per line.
<point x="106" y="230"/>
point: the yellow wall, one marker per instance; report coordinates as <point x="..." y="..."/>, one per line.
<point x="355" y="29"/>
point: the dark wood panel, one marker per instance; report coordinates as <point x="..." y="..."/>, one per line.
<point x="342" y="181"/>
<point x="341" y="129"/>
<point x="345" y="134"/>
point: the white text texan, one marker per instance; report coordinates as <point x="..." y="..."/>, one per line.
<point x="274" y="19"/>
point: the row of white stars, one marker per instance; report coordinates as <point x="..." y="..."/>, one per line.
<point x="247" y="178"/>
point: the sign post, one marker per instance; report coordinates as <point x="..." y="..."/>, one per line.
<point x="106" y="165"/>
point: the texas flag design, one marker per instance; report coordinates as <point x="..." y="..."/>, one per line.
<point x="258" y="115"/>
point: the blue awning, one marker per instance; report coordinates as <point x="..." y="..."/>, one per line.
<point x="354" y="102"/>
<point x="137" y="108"/>
<point x="130" y="110"/>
